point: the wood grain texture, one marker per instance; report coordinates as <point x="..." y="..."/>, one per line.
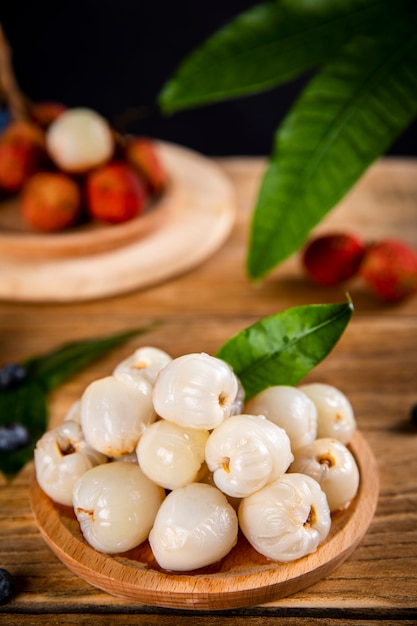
<point x="375" y="364"/>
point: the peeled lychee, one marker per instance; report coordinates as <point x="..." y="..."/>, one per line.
<point x="142" y="154"/>
<point x="115" y="193"/>
<point x="79" y="140"/>
<point x="389" y="268"/>
<point x="333" y="258"/>
<point x="22" y="152"/>
<point x="50" y="201"/>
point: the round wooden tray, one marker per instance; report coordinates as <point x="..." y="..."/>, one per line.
<point x="17" y="241"/>
<point x="185" y="226"/>
<point x="242" y="578"/>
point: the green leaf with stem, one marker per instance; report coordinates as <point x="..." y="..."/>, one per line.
<point x="346" y="117"/>
<point x="283" y="348"/>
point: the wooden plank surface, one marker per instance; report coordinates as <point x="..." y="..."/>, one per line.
<point x="375" y="364"/>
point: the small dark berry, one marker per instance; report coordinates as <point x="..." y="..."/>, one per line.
<point x="6" y="586"/>
<point x="13" y="437"/>
<point x="11" y="375"/>
<point x="414" y="415"/>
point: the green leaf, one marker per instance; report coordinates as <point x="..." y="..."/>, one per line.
<point x="25" y="405"/>
<point x="54" y="368"/>
<point x="283" y="348"/>
<point x="347" y="116"/>
<point x="268" y="45"/>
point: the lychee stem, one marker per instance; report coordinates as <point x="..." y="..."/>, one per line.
<point x="9" y="89"/>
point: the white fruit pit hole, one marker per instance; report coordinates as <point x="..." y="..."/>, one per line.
<point x="69" y="449"/>
<point x="140" y="365"/>
<point x="222" y="399"/>
<point x="311" y="518"/>
<point x="226" y="465"/>
<point x="90" y="514"/>
<point x="326" y="459"/>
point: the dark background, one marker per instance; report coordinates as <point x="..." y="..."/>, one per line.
<point x="115" y="55"/>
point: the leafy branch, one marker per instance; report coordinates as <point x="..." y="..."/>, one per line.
<point x="363" y="94"/>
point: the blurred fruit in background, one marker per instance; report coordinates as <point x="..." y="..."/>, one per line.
<point x="333" y="258"/>
<point x="115" y="193"/>
<point x="51" y="201"/>
<point x="387" y="267"/>
<point x="68" y="165"/>
<point x="78" y="140"/>
<point x="22" y="152"/>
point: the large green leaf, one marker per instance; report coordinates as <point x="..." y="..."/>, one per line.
<point x="348" y="115"/>
<point x="268" y="45"/>
<point x="52" y="369"/>
<point x="283" y="348"/>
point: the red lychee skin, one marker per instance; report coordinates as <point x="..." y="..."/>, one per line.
<point x="142" y="155"/>
<point x="333" y="258"/>
<point x="17" y="164"/>
<point x="115" y="193"/>
<point x="23" y="132"/>
<point x="50" y="201"/>
<point x="22" y="152"/>
<point x="389" y="268"/>
<point x="44" y="113"/>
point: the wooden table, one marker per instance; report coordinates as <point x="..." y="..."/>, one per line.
<point x="375" y="364"/>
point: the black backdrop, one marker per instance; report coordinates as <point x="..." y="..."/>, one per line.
<point x="115" y="55"/>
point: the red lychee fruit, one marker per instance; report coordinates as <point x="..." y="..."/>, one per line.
<point x="142" y="154"/>
<point x="50" y="201"/>
<point x="22" y="152"/>
<point x="333" y="258"/>
<point x="25" y="132"/>
<point x="389" y="268"/>
<point x="115" y="193"/>
<point x="44" y="113"/>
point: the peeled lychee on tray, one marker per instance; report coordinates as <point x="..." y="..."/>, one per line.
<point x="68" y="166"/>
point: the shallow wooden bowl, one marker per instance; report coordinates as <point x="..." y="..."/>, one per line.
<point x="242" y="578"/>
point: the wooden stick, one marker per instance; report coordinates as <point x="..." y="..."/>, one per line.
<point x="9" y="89"/>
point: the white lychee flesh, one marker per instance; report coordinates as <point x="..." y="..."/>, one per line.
<point x="116" y="505"/>
<point x="289" y="408"/>
<point x="194" y="527"/>
<point x="79" y="140"/>
<point x="114" y="415"/>
<point x="286" y="519"/>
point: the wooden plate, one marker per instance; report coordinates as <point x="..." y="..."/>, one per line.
<point x="242" y="578"/>
<point x="18" y="242"/>
<point x="182" y="229"/>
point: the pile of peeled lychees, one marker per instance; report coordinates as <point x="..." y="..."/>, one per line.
<point x="69" y="166"/>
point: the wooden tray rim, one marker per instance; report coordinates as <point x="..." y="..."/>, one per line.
<point x="245" y="586"/>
